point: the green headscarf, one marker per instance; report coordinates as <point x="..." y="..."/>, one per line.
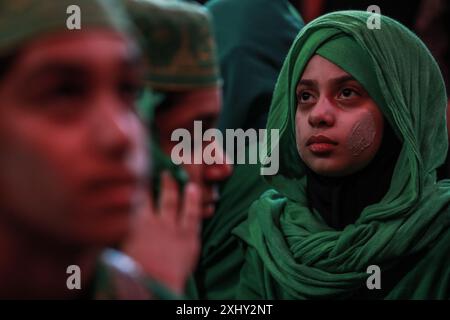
<point x="292" y="253"/>
<point x="21" y="21"/>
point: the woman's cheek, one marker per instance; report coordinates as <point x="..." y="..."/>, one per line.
<point x="362" y="135"/>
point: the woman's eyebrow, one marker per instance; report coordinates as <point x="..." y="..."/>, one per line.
<point x="307" y="83"/>
<point x="342" y="79"/>
<point x="334" y="81"/>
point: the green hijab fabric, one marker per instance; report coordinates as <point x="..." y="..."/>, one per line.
<point x="291" y="252"/>
<point x="339" y="49"/>
<point x="21" y="21"/>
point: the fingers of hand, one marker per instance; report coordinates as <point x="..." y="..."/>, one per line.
<point x="169" y="198"/>
<point x="191" y="209"/>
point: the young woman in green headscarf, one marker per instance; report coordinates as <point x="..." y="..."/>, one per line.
<point x="361" y="114"/>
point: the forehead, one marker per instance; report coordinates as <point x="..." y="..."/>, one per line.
<point x="321" y="68"/>
<point x="90" y="48"/>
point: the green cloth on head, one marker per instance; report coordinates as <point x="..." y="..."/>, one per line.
<point x="339" y="50"/>
<point x="253" y="38"/>
<point x="24" y="20"/>
<point x="178" y="43"/>
<point x="291" y="252"/>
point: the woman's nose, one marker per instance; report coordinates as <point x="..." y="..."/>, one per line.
<point x="322" y="114"/>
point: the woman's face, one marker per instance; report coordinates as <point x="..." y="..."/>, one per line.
<point x="339" y="127"/>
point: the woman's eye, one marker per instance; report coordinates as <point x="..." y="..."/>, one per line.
<point x="347" y="93"/>
<point x="305" y="97"/>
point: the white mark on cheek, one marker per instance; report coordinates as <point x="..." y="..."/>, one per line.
<point x="362" y="135"/>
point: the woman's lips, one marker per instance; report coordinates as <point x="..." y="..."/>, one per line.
<point x="320" y="144"/>
<point x="321" y="148"/>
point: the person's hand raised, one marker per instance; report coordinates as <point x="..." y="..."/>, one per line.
<point x="165" y="240"/>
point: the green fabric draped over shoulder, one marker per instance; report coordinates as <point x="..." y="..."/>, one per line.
<point x="291" y="252"/>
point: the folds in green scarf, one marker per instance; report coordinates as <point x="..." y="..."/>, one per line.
<point x="292" y="253"/>
<point x="21" y="21"/>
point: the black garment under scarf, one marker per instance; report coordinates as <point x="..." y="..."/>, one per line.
<point x="340" y="200"/>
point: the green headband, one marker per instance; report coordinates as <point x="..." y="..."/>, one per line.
<point x="21" y="21"/>
<point x="178" y="43"/>
<point x="346" y="53"/>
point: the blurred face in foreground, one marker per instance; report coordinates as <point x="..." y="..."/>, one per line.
<point x="72" y="157"/>
<point x="339" y="127"/>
